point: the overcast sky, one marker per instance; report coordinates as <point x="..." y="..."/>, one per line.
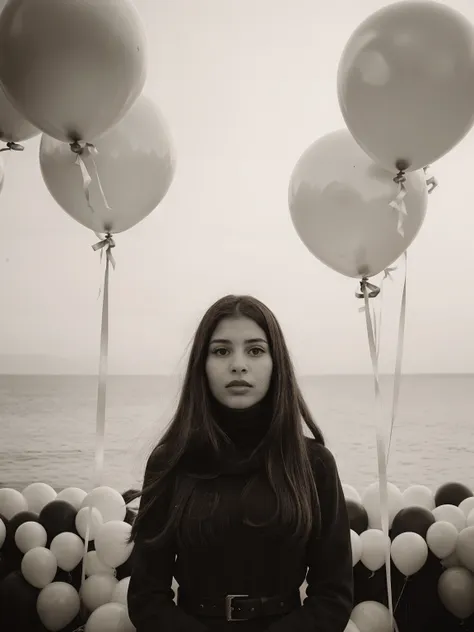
<point x="246" y="86"/>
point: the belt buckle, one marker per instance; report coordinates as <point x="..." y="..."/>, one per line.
<point x="228" y="607"/>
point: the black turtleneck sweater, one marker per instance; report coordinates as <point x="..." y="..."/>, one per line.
<point x="241" y="559"/>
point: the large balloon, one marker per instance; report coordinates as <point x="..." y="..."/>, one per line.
<point x="135" y="163"/>
<point x="406" y="83"/>
<point x="456" y="591"/>
<point x="72" y="68"/>
<point x="339" y="201"/>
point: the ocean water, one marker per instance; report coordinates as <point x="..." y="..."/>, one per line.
<point x="47" y="428"/>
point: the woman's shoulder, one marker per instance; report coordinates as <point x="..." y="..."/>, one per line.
<point x="322" y="459"/>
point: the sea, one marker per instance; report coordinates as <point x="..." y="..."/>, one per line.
<point x="48" y="428"/>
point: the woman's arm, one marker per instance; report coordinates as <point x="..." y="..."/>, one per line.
<point x="150" y="596"/>
<point x="329" y="601"/>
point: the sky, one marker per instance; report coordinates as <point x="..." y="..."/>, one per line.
<point x="246" y="86"/>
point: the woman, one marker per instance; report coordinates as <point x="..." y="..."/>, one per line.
<point x="237" y="504"/>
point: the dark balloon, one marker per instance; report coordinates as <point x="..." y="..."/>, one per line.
<point x="18" y="604"/>
<point x="358" y="517"/>
<point x="416" y="519"/>
<point x="452" y="494"/>
<point x="57" y="517"/>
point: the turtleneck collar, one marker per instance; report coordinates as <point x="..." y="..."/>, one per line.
<point x="246" y="427"/>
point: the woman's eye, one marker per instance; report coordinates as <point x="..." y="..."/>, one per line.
<point x="258" y="351"/>
<point x="219" y="351"/>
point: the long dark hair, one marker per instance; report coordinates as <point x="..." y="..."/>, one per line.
<point x="288" y="466"/>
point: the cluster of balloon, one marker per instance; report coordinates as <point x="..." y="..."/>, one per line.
<point x="405" y="83"/>
<point x="428" y="531"/>
<point x="42" y="555"/>
<point x="106" y="153"/>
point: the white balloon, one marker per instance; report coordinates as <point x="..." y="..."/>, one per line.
<point x="83" y="517"/>
<point x="441" y="538"/>
<point x="371" y="502"/>
<point x="470" y="519"/>
<point x="58" y="604"/>
<point x="12" y="502"/>
<point x="419" y="496"/>
<point x="452" y="514"/>
<point x="30" y="535"/>
<point x="351" y="493"/>
<point x="409" y="552"/>
<point x="94" y="566"/>
<point x="372" y="615"/>
<point x="97" y="590"/>
<point x="375" y="545"/>
<point x="39" y="567"/>
<point x="108" y="501"/>
<point x="351" y="627"/>
<point x="72" y="495"/>
<point x="121" y="591"/>
<point x="467" y="505"/>
<point x="111" y="543"/>
<point x="68" y="548"/>
<point x="111" y="617"/>
<point x="38" y="495"/>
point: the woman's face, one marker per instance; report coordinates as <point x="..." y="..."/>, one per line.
<point x="239" y="351"/>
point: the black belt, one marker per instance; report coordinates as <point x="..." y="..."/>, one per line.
<point x="239" y="607"/>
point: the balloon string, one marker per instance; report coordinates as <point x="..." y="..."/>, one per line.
<point x="11" y="146"/>
<point x="398" y="204"/>
<point x="401" y="594"/>
<point x="105" y="244"/>
<point x="88" y="150"/>
<point x="380" y="440"/>
<point x="399" y="357"/>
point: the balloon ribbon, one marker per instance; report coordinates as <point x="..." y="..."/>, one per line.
<point x="88" y="150"/>
<point x="368" y="291"/>
<point x="105" y="245"/>
<point x="398" y="204"/>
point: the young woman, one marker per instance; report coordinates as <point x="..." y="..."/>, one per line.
<point x="238" y="505"/>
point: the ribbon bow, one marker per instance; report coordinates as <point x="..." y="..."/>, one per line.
<point x="373" y="290"/>
<point x="88" y="150"/>
<point x="398" y="204"/>
<point x="11" y="146"/>
<point x="105" y="245"/>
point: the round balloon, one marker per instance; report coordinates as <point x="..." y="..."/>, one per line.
<point x="99" y="69"/>
<point x="456" y="591"/>
<point x="58" y="604"/>
<point x="406" y="83"/>
<point x="339" y="201"/>
<point x="413" y="519"/>
<point x="135" y="166"/>
<point x="371" y="616"/>
<point x="452" y="494"/>
<point x="441" y="538"/>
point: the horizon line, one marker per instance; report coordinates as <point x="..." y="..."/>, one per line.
<point x="176" y="375"/>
